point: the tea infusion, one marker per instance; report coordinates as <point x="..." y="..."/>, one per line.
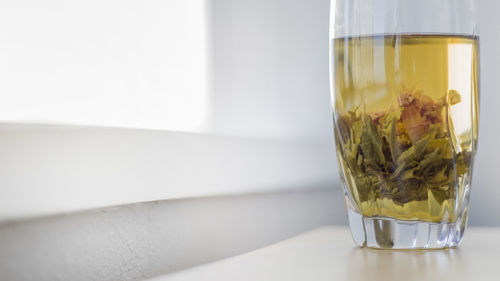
<point x="404" y="129"/>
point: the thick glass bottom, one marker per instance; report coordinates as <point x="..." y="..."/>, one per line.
<point x="388" y="233"/>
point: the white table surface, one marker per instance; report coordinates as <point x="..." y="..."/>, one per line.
<point x="329" y="254"/>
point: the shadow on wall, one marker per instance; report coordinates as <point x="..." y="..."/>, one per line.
<point x="139" y="241"/>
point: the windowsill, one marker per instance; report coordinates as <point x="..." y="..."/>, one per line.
<point x="328" y="253"/>
<point x="51" y="169"/>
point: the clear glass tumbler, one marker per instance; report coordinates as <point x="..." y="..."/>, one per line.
<point x="404" y="87"/>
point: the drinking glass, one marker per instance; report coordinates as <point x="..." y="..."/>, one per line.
<point x="404" y="86"/>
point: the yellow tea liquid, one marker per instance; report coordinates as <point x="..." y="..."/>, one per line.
<point x="406" y="122"/>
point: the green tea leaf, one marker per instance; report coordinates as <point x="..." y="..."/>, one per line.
<point x="442" y="145"/>
<point x="408" y="174"/>
<point x="387" y="119"/>
<point x="439" y="195"/>
<point x="357" y="131"/>
<point x="364" y="186"/>
<point x="343" y="130"/>
<point x="415" y="152"/>
<point x="371" y="143"/>
<point x="384" y="163"/>
<point x="411" y="190"/>
<point x="353" y="114"/>
<point x="431" y="159"/>
<point x="463" y="162"/>
<point x="393" y="142"/>
<point x="440" y="178"/>
<point x="396" y="175"/>
<point x="352" y="159"/>
<point x="453" y="97"/>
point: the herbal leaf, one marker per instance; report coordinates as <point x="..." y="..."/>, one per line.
<point x="430" y="159"/>
<point x="440" y="178"/>
<point x="357" y="131"/>
<point x="371" y="143"/>
<point x="343" y="130"/>
<point x="393" y="142"/>
<point x="453" y="97"/>
<point x="411" y="190"/>
<point x="352" y="160"/>
<point x="463" y="163"/>
<point x="442" y="145"/>
<point x="364" y="184"/>
<point x="439" y="195"/>
<point x="408" y="174"/>
<point x="402" y="156"/>
<point x="415" y="152"/>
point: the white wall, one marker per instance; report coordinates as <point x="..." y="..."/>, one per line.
<point x="155" y="64"/>
<point x="254" y="69"/>
<point x="271" y="69"/>
<point x="48" y="170"/>
<point x="485" y="187"/>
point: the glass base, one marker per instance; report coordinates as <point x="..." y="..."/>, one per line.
<point x="387" y="233"/>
